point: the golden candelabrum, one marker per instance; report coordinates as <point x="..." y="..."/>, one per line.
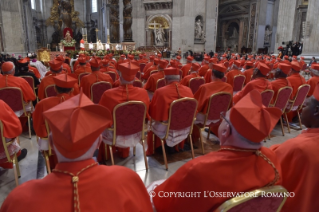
<point x="85" y="38"/>
<point x="108" y="39"/>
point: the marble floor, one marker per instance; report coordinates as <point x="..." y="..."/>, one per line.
<point x="33" y="167"/>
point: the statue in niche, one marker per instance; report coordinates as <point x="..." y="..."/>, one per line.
<point x="198" y="29"/>
<point x="235" y="33"/>
<point x="159" y="36"/>
<point x="268" y="34"/>
<point x="65" y="9"/>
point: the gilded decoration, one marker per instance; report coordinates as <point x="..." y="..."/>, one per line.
<point x="63" y="14"/>
<point x="159" y="21"/>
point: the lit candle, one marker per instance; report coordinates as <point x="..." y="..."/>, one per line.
<point x="108" y="32"/>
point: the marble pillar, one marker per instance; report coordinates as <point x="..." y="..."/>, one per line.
<point x="286" y="19"/>
<point x="121" y="20"/>
<point x="211" y="25"/>
<point x="311" y="46"/>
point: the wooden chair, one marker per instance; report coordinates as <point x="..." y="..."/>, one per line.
<point x="218" y="103"/>
<point x="10" y="158"/>
<point x="281" y="102"/>
<point x="128" y="119"/>
<point x="195" y="83"/>
<point x="297" y="103"/>
<point x="182" y="113"/>
<point x="180" y="74"/>
<point x="267" y="96"/>
<point x="160" y="83"/>
<point x="137" y="83"/>
<point x="112" y="75"/>
<point x="239" y="81"/>
<point x="50" y="91"/>
<point x="81" y="76"/>
<point x="97" y="90"/>
<point x="255" y="200"/>
<point x="30" y="80"/>
<point x="14" y="98"/>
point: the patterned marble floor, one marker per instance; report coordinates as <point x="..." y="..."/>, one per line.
<point x="33" y="167"/>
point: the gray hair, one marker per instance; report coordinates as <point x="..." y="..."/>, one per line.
<point x="171" y="78"/>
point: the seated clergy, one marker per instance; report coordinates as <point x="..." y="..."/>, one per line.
<point x="159" y="111"/>
<point x="296" y="80"/>
<point x="83" y="68"/>
<point x="63" y="85"/>
<point x="260" y="82"/>
<point x="40" y="67"/>
<point x="208" y="75"/>
<point x="281" y="79"/>
<point x="153" y="67"/>
<point x="11" y="130"/>
<point x="125" y="92"/>
<point x="300" y="161"/>
<point x="95" y="76"/>
<point x="202" y="71"/>
<point x="192" y="74"/>
<point x="185" y="69"/>
<point x="249" y="71"/>
<point x="9" y="80"/>
<point x="23" y="69"/>
<point x="241" y="164"/>
<point x="56" y="69"/>
<point x="78" y="183"/>
<point x="235" y="71"/>
<point x="205" y="92"/>
<point x="151" y="83"/>
<point x="314" y="80"/>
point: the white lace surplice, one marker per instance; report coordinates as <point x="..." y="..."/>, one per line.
<point x="13" y="148"/>
<point x="28" y="108"/>
<point x="121" y="141"/>
<point x="200" y="118"/>
<point x="174" y="136"/>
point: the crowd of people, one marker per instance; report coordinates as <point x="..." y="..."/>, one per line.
<point x="78" y="127"/>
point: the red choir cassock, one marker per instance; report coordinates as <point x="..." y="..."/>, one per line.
<point x="66" y="67"/>
<point x="34" y="70"/>
<point x="151" y="83"/>
<point x="124" y="93"/>
<point x="188" y="66"/>
<point x="149" y="64"/>
<point x="205" y="92"/>
<point x="202" y="71"/>
<point x="147" y="72"/>
<point x="280" y="82"/>
<point x="232" y="73"/>
<point x="55" y="66"/>
<point x="193" y="73"/>
<point x="95" y="76"/>
<point x="81" y="185"/>
<point x="82" y="68"/>
<point x="314" y="80"/>
<point x="296" y="80"/>
<point x="248" y="72"/>
<point x="260" y="84"/>
<point x="234" y="169"/>
<point x="160" y="104"/>
<point x="8" y="80"/>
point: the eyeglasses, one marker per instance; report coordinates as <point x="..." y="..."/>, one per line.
<point x="222" y="116"/>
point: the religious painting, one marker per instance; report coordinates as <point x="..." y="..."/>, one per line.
<point x="268" y="33"/>
<point x="231" y="36"/>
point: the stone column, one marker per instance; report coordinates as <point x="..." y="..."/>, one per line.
<point x="121" y="20"/>
<point x="211" y="24"/>
<point x="114" y="20"/>
<point x="286" y="19"/>
<point x="311" y="47"/>
<point x="241" y="34"/>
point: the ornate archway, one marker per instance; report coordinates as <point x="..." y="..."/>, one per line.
<point x="159" y="30"/>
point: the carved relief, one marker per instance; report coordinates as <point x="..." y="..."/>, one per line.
<point x="114" y="19"/>
<point x="252" y="25"/>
